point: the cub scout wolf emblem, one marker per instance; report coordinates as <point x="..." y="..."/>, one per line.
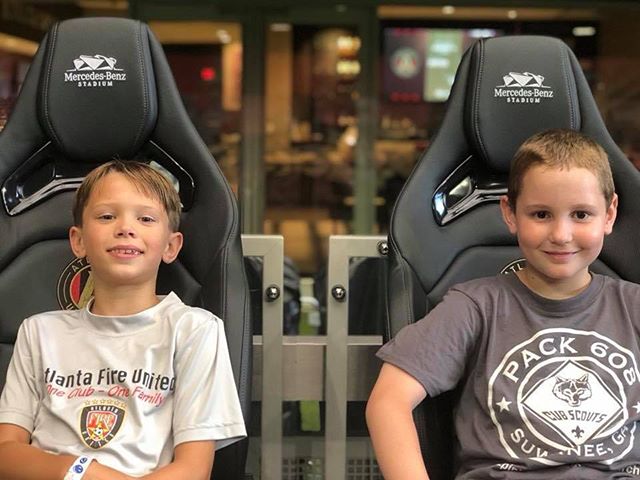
<point x="99" y="424"/>
<point x="572" y="390"/>
<point x="75" y="285"/>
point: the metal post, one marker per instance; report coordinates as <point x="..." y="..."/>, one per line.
<point x="341" y="249"/>
<point x="271" y="249"/>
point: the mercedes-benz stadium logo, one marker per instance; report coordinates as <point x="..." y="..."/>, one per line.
<point x="525" y="79"/>
<point x="95" y="62"/>
<point x="95" y="71"/>
<point x="524" y="87"/>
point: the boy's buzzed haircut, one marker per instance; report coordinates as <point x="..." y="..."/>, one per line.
<point x="146" y="178"/>
<point x="563" y="149"/>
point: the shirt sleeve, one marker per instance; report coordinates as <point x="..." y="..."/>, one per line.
<point x="435" y="349"/>
<point x="19" y="400"/>
<point x="206" y="399"/>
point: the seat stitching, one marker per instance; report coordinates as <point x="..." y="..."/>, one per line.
<point x="476" y="103"/>
<point x="145" y="93"/>
<point x="572" y="114"/>
<point x="45" y="93"/>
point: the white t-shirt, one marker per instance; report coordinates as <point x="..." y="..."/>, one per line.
<point x="123" y="389"/>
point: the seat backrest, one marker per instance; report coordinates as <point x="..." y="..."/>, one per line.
<point x="446" y="227"/>
<point x="100" y="88"/>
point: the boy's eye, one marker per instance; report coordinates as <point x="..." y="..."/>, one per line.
<point x="581" y="215"/>
<point x="541" y="214"/>
<point x="106" y="216"/>
<point x="147" y="219"/>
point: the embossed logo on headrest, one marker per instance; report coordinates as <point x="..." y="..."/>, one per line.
<point x="523" y="88"/>
<point x="75" y="285"/>
<point x="514" y="266"/>
<point x="95" y="71"/>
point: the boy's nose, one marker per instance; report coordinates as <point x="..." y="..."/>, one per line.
<point x="125" y="229"/>
<point x="561" y="232"/>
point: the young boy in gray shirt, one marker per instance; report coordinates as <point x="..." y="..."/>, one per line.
<point x="546" y="358"/>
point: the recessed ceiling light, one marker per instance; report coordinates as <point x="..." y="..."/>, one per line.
<point x="448" y="10"/>
<point x="512" y="14"/>
<point x="280" y="27"/>
<point x="585" y="31"/>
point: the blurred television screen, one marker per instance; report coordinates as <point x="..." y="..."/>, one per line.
<point x="420" y="63"/>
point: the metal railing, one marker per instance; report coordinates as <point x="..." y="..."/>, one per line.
<point x="336" y="368"/>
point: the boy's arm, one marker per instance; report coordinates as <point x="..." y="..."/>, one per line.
<point x="21" y="461"/>
<point x="390" y="422"/>
<point x="191" y="461"/>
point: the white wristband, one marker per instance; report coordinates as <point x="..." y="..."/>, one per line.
<point x="79" y="468"/>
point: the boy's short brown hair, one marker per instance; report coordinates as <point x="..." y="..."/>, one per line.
<point x="146" y="178"/>
<point x="563" y="149"/>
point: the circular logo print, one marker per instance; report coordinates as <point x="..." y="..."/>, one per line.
<point x="514" y="266"/>
<point x="404" y="62"/>
<point x="75" y="285"/>
<point x="565" y="392"/>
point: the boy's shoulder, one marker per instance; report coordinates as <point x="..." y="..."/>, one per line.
<point x="497" y="287"/>
<point x="50" y="324"/>
<point x="618" y="284"/>
<point x="52" y="317"/>
<point x="484" y="285"/>
<point x="178" y="311"/>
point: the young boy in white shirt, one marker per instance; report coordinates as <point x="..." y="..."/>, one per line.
<point x="133" y="385"/>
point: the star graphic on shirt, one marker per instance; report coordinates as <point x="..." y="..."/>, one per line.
<point x="504" y="404"/>
<point x="637" y="407"/>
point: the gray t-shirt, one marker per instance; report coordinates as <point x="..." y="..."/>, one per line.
<point x="125" y="390"/>
<point x="550" y="389"/>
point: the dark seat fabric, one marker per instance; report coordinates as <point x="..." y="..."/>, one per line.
<point x="446" y="226"/>
<point x="101" y="88"/>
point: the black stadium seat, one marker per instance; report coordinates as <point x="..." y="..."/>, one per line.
<point x="100" y="88"/>
<point x="446" y="226"/>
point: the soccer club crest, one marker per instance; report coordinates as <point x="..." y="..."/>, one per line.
<point x="75" y="285"/>
<point x="99" y="424"/>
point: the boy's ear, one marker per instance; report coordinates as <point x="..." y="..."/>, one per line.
<point x="75" y="240"/>
<point x="612" y="213"/>
<point x="174" y="245"/>
<point x="508" y="215"/>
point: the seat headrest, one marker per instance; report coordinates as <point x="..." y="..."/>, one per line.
<point x="517" y="86"/>
<point x="97" y="90"/>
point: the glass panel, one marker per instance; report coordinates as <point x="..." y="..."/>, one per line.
<point x="361" y="462"/>
<point x="206" y="61"/>
<point x="310" y="135"/>
<point x="13" y="68"/>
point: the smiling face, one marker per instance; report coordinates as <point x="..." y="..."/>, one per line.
<point x="560" y="219"/>
<point x="124" y="235"/>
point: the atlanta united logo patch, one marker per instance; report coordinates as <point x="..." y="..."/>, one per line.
<point x="514" y="266"/>
<point x="100" y="423"/>
<point x="75" y="285"/>
<point x="566" y="392"/>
